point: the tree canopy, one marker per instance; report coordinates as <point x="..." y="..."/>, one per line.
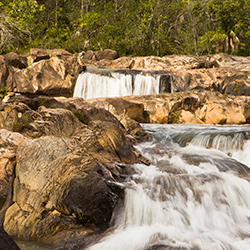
<point x="143" y="27"/>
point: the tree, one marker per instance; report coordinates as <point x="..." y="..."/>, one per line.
<point x="231" y="19"/>
<point x="17" y="23"/>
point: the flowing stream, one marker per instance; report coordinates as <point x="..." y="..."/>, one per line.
<point x="195" y="195"/>
<point x="95" y="83"/>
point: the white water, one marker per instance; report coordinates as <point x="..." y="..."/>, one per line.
<point x="195" y="194"/>
<point x="94" y="85"/>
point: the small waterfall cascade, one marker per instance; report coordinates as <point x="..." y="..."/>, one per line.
<point x="194" y="195"/>
<point x="95" y="83"/>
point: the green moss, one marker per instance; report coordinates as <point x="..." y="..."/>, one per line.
<point x="29" y="61"/>
<point x="236" y="89"/>
<point x="203" y="118"/>
<point x="43" y="101"/>
<point x="3" y="92"/>
<point x="17" y="126"/>
<point x="24" y="117"/>
<point x="174" y="117"/>
<point x="83" y="118"/>
<point x="82" y="218"/>
<point x="177" y="98"/>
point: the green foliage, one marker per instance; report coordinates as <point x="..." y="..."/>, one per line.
<point x="144" y="27"/>
<point x="19" y="22"/>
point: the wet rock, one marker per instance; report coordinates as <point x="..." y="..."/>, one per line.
<point x="134" y="128"/>
<point x="165" y="247"/>
<point x="88" y="199"/>
<point x="113" y="140"/>
<point x="76" y="239"/>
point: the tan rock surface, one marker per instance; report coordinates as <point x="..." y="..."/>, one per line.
<point x="220" y="72"/>
<point x="67" y="161"/>
<point x="197" y="106"/>
<point x="51" y="72"/>
<point x="9" y="142"/>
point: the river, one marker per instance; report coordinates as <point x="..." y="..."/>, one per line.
<point x="194" y="195"/>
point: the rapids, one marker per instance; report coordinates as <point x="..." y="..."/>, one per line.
<point x="195" y="194"/>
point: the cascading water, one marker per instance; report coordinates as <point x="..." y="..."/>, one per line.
<point x="95" y="83"/>
<point x="195" y="194"/>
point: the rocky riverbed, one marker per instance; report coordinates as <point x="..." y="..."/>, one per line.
<point x="64" y="160"/>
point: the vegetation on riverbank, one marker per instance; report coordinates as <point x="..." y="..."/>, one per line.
<point x="148" y="27"/>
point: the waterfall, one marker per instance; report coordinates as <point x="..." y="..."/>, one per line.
<point x="95" y="83"/>
<point x="195" y="194"/>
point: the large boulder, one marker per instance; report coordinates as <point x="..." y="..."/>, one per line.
<point x="51" y="188"/>
<point x="89" y="199"/>
<point x="67" y="163"/>
<point x="118" y="106"/>
<point x="46" y="76"/>
<point x="51" y="72"/>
